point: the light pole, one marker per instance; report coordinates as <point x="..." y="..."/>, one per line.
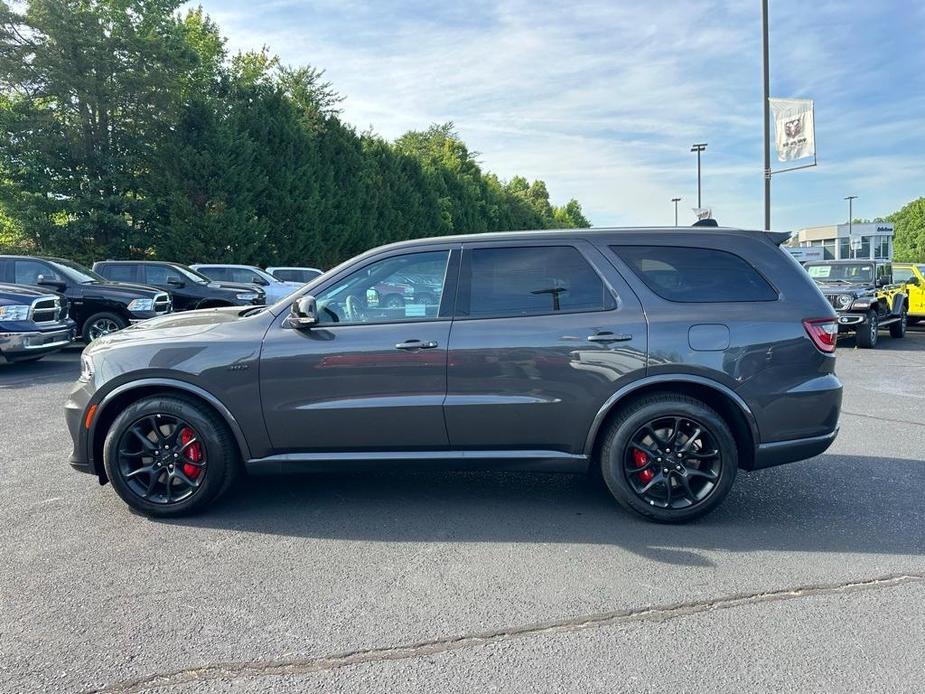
<point x="851" y="199"/>
<point x="767" y="118"/>
<point x="698" y="148"/>
<point x="676" y="201"/>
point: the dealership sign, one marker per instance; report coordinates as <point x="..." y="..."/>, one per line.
<point x="807" y="254"/>
<point x="795" y="132"/>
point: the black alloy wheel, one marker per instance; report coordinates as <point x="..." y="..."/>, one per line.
<point x="162" y="459"/>
<point x="167" y="455"/>
<point x="672" y="462"/>
<point x="669" y="457"/>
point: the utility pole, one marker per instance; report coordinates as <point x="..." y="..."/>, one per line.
<point x="698" y="148"/>
<point x="851" y="199"/>
<point x="676" y="201"/>
<point x="767" y="118"/>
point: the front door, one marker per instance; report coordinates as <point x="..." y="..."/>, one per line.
<point x="543" y="336"/>
<point x="372" y="374"/>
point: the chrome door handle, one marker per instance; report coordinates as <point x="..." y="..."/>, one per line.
<point x="609" y="337"/>
<point x="416" y="344"/>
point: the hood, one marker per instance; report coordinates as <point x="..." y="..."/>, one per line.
<point x="177" y="325"/>
<point x="17" y="293"/>
<point x="234" y="286"/>
<point x="122" y="289"/>
<point x="842" y="287"/>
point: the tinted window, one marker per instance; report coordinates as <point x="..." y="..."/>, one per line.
<point x="215" y="273"/>
<point x="121" y="273"/>
<point x="696" y="274"/>
<point x="159" y="274"/>
<point x="295" y="275"/>
<point x="382" y="291"/>
<point x="245" y="276"/>
<point x="529" y="281"/>
<point x="28" y="272"/>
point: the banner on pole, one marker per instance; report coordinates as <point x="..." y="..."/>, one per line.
<point x="703" y="212"/>
<point x="794" y="128"/>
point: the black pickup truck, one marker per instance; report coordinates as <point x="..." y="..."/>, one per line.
<point x="97" y="305"/>
<point x="33" y="323"/>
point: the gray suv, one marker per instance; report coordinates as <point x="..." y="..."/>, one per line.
<point x="664" y="359"/>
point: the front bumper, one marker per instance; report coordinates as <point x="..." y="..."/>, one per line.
<point x="850" y="321"/>
<point x="23" y="345"/>
<point x="74" y="412"/>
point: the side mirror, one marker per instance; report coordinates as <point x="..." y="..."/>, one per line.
<point x="49" y="282"/>
<point x="174" y="282"/>
<point x="303" y="313"/>
<point x="913" y="281"/>
<point x="883" y="281"/>
<point x="260" y="281"/>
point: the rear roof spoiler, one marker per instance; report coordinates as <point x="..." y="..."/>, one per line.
<point x="778" y="237"/>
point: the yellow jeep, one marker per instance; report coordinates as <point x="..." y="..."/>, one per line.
<point x="913" y="275"/>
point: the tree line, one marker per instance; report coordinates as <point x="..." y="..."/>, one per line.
<point x="127" y="131"/>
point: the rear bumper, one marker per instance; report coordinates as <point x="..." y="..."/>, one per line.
<point x="783" y="452"/>
<point x="22" y="345"/>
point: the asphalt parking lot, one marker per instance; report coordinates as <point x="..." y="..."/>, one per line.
<point x="810" y="577"/>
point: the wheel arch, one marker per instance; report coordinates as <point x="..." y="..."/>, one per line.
<point x="730" y="406"/>
<point x="119" y="398"/>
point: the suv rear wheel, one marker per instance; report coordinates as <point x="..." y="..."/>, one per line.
<point x="670" y="458"/>
<point x="168" y="456"/>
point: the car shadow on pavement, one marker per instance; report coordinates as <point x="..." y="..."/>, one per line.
<point x="59" y="367"/>
<point x="847" y="504"/>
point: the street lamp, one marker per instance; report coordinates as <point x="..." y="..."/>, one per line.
<point x="676" y="201"/>
<point x="851" y="199"/>
<point x="698" y="148"/>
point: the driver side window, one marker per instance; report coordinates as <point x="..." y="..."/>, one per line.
<point x="400" y="288"/>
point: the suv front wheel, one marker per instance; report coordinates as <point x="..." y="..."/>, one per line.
<point x="168" y="456"/>
<point x="670" y="458"/>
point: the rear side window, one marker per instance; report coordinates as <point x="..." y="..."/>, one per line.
<point x="119" y="273"/>
<point x="525" y="281"/>
<point x="696" y="275"/>
<point x="160" y="274"/>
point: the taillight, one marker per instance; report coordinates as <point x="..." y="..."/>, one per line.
<point x="823" y="332"/>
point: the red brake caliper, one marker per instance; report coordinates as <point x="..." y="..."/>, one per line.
<point x="194" y="453"/>
<point x="640" y="459"/>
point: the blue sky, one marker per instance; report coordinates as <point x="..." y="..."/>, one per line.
<point x="602" y="100"/>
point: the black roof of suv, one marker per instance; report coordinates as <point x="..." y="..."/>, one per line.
<point x="669" y="358"/>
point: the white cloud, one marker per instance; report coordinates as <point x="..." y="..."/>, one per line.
<point x="602" y="99"/>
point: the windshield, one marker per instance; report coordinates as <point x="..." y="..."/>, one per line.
<point x="77" y="272"/>
<point x="191" y="274"/>
<point x="846" y="272"/>
<point x="901" y="274"/>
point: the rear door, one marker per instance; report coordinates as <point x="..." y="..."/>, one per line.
<point x="544" y="334"/>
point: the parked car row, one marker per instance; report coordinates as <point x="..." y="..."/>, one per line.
<point x="113" y="295"/>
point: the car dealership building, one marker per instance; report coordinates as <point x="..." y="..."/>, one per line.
<point x="844" y="241"/>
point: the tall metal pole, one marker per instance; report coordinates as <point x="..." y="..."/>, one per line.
<point x="676" y="201"/>
<point x="851" y="199"/>
<point x="767" y="118"/>
<point x="698" y="148"/>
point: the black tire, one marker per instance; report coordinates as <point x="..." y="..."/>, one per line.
<point x="100" y="324"/>
<point x="221" y="457"/>
<point x="618" y="448"/>
<point x="898" y="329"/>
<point x="868" y="332"/>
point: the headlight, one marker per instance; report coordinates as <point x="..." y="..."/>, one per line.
<point x="137" y="305"/>
<point x="14" y="312"/>
<point x="86" y="368"/>
<point x="247" y="296"/>
<point x="844" y="301"/>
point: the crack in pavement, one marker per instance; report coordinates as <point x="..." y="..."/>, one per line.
<point x="884" y="419"/>
<point x="301" y="666"/>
